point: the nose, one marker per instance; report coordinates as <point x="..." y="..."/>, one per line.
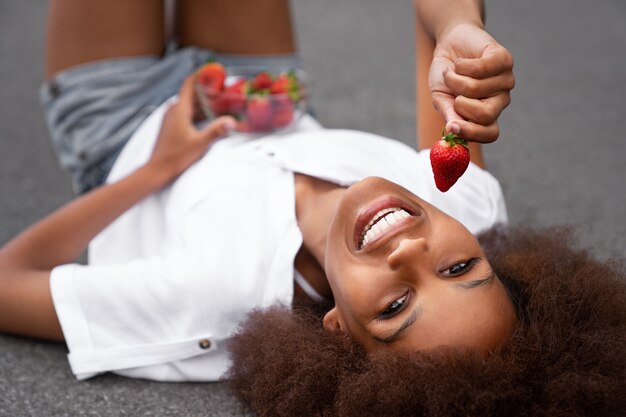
<point x="406" y="252"/>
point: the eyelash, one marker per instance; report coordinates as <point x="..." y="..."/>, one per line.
<point x="392" y="311"/>
<point x="465" y="267"/>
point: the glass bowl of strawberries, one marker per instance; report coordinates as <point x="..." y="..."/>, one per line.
<point x="261" y="102"/>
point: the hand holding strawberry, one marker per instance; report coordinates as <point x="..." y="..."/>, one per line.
<point x="470" y="80"/>
<point x="449" y="158"/>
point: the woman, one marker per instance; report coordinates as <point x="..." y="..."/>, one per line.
<point x="566" y="356"/>
<point x="189" y="248"/>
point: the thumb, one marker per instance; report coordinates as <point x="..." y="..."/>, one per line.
<point x="186" y="95"/>
<point x="218" y="128"/>
<point x="444" y="104"/>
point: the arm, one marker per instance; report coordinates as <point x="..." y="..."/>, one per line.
<point x="467" y="73"/>
<point x="26" y="261"/>
<point x="438" y="16"/>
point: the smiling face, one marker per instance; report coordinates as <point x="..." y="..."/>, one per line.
<point x="405" y="275"/>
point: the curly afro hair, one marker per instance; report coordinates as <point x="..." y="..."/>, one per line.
<point x="566" y="357"/>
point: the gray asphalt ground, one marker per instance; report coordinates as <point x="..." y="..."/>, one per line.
<point x="560" y="158"/>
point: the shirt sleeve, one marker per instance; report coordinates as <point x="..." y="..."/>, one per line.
<point x="136" y="315"/>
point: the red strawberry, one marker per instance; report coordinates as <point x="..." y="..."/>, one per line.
<point x="220" y="105"/>
<point x="262" y="81"/>
<point x="236" y="95"/>
<point x="211" y="76"/>
<point x="259" y="113"/>
<point x="280" y="85"/>
<point x="283" y="111"/>
<point x="232" y="100"/>
<point x="449" y="158"/>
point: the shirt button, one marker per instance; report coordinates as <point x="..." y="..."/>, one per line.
<point x="204" y="344"/>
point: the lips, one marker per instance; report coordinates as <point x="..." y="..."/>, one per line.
<point x="379" y="218"/>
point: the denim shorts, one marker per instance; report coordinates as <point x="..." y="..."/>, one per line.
<point x="93" y="109"/>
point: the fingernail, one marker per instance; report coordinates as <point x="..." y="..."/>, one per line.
<point x="455" y="128"/>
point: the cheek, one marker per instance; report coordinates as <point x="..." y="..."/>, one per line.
<point x="333" y="252"/>
<point x="480" y="321"/>
<point x="353" y="288"/>
<point x="357" y="290"/>
<point x="333" y="268"/>
<point x="487" y="322"/>
<point x="504" y="319"/>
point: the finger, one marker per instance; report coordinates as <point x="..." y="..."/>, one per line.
<point x="444" y="104"/>
<point x="186" y="96"/>
<point x="494" y="60"/>
<point x="475" y="132"/>
<point x="483" y="111"/>
<point x="462" y="85"/>
<point x="218" y="128"/>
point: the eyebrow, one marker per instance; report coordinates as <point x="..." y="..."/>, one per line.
<point x="392" y="335"/>
<point x="480" y="282"/>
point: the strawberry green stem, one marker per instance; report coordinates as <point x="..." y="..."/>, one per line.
<point x="453" y="139"/>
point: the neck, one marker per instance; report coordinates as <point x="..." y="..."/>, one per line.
<point x="316" y="205"/>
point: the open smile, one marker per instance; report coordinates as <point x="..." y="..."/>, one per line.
<point x="381" y="218"/>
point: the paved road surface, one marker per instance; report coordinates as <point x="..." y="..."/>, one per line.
<point x="561" y="156"/>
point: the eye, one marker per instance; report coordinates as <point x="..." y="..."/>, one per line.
<point x="460" y="268"/>
<point x="394" y="308"/>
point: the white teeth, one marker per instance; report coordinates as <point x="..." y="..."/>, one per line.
<point x="380" y="214"/>
<point x="391" y="218"/>
<point x="381" y="222"/>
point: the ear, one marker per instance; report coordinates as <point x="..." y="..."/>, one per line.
<point x="332" y="321"/>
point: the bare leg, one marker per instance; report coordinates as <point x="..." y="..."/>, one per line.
<point x="81" y="31"/>
<point x="255" y="27"/>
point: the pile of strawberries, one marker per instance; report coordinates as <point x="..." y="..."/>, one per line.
<point x="262" y="103"/>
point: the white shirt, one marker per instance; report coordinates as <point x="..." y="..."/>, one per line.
<point x="170" y="280"/>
